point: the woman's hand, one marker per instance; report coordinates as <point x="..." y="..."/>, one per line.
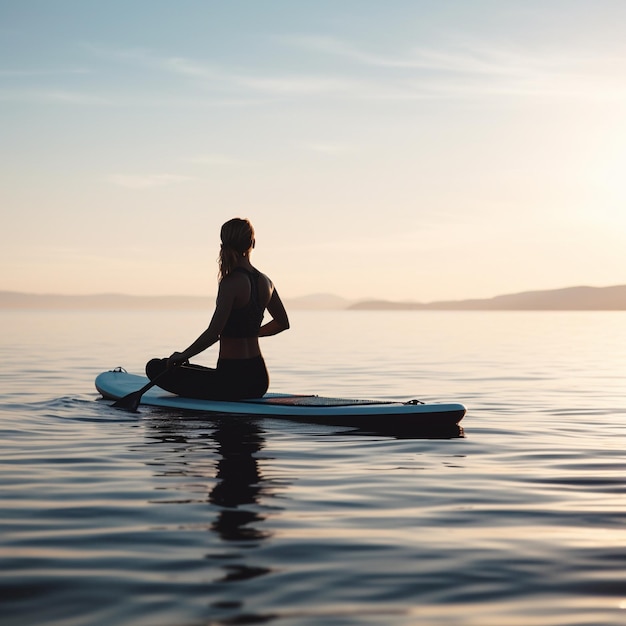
<point x="176" y="358"/>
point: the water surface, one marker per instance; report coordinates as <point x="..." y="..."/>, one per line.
<point x="168" y="518"/>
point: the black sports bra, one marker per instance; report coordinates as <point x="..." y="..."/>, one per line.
<point x="246" y="320"/>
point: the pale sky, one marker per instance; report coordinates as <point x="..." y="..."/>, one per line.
<point x="401" y="149"/>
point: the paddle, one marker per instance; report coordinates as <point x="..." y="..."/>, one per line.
<point x="131" y="400"/>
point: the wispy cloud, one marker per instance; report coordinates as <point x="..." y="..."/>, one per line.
<point x="465" y="60"/>
<point x="329" y="148"/>
<point x="15" y="73"/>
<point x="47" y="85"/>
<point x="51" y="96"/>
<point x="216" y="160"/>
<point x="147" y="181"/>
<point x="472" y="69"/>
<point x="296" y="84"/>
<point x="347" y="71"/>
<point x="234" y="80"/>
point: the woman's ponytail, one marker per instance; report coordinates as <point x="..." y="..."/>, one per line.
<point x="237" y="237"/>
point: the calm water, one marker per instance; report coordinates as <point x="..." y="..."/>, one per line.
<point x="163" y="519"/>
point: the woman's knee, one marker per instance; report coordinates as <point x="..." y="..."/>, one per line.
<point x="154" y="367"/>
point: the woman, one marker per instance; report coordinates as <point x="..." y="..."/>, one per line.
<point x="243" y="296"/>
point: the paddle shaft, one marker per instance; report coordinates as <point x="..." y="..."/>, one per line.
<point x="131" y="401"/>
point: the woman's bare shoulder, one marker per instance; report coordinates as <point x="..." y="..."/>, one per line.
<point x="265" y="278"/>
<point x="234" y="284"/>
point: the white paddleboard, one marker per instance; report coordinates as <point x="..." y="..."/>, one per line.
<point x="363" y="414"/>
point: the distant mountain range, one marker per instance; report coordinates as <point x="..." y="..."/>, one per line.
<point x="116" y="301"/>
<point x="567" y="299"/>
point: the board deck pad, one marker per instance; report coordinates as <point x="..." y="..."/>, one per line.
<point x="294" y="400"/>
<point x="369" y="414"/>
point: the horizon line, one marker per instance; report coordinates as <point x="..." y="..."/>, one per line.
<point x="612" y="297"/>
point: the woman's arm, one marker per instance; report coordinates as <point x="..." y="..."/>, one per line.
<point x="279" y="321"/>
<point x="225" y="298"/>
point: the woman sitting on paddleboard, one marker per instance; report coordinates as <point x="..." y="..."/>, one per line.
<point x="244" y="294"/>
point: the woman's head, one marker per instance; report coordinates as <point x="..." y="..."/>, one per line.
<point x="237" y="237"/>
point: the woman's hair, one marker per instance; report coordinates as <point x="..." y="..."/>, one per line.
<point x="237" y="237"/>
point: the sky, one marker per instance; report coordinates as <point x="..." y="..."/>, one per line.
<point x="399" y="149"/>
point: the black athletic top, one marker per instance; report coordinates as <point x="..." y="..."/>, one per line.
<point x="246" y="320"/>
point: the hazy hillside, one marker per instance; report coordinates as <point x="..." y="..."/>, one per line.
<point x="567" y="299"/>
<point x="318" y="301"/>
<point x="17" y="300"/>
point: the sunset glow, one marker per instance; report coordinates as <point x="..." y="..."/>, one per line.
<point x="402" y="150"/>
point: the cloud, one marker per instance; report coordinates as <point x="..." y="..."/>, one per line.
<point x="229" y="80"/>
<point x="296" y="84"/>
<point x="38" y="72"/>
<point x="470" y="69"/>
<point x="51" y="96"/>
<point x="147" y="181"/>
<point x="329" y="148"/>
<point x="216" y="160"/>
<point x="467" y="69"/>
<point x="38" y="86"/>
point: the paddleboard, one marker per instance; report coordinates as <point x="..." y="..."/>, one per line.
<point x="375" y="415"/>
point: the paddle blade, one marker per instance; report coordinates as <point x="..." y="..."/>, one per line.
<point x="129" y="402"/>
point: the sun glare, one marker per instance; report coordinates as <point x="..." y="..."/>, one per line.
<point x="607" y="182"/>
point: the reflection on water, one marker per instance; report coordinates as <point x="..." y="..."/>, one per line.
<point x="238" y="494"/>
<point x="239" y="481"/>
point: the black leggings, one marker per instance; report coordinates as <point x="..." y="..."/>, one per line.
<point x="233" y="379"/>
